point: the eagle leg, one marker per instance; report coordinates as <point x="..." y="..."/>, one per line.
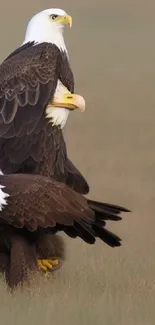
<point x="22" y="260"/>
<point x="50" y="252"/>
<point x="5" y="264"/>
<point x="48" y="264"/>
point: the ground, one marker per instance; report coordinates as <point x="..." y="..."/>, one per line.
<point x="112" y="52"/>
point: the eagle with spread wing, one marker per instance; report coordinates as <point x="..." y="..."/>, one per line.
<point x="41" y="191"/>
<point x="33" y="206"/>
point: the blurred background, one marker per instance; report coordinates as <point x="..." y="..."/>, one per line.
<point x="112" y="53"/>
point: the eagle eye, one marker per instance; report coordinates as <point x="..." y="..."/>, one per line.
<point x="53" y="16"/>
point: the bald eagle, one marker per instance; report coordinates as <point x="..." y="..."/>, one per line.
<point x="32" y="207"/>
<point x="40" y="189"/>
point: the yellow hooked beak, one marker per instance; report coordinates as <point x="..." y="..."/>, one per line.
<point x="64" y="20"/>
<point x="69" y="101"/>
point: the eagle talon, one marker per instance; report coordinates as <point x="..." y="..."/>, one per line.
<point x="48" y="264"/>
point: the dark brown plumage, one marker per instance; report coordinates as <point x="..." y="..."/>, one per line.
<point x="28" y="79"/>
<point x="28" y="143"/>
<point x="36" y="202"/>
<point x="38" y="205"/>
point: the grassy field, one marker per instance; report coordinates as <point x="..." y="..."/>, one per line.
<point x="112" y="52"/>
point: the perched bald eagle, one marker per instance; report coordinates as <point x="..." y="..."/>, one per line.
<point x="36" y="95"/>
<point x="32" y="207"/>
<point x="29" y="79"/>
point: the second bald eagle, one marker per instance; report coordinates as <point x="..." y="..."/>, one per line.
<point x="32" y="81"/>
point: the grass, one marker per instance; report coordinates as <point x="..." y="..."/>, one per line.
<point x="94" y="287"/>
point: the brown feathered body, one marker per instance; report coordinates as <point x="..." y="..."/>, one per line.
<point x="40" y="205"/>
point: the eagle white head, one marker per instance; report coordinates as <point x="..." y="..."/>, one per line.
<point x="48" y="26"/>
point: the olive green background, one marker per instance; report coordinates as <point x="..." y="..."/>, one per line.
<point x="112" y="53"/>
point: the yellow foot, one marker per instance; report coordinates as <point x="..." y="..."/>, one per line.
<point x="48" y="265"/>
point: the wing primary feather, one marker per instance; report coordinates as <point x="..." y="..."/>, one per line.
<point x="100" y="206"/>
<point x="47" y="203"/>
<point x="107" y="236"/>
<point x="86" y="232"/>
<point x="106" y="216"/>
<point x="71" y="231"/>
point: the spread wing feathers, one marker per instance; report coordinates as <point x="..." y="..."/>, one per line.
<point x="35" y="201"/>
<point x="103" y="212"/>
<point x="108" y="211"/>
<point x="28" y="79"/>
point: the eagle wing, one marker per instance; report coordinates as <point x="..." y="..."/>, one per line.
<point x="37" y="202"/>
<point x="28" y="79"/>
